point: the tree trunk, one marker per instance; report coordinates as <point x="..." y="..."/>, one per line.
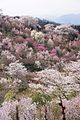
<point x="17" y="113"/>
<point x="45" y="113"/>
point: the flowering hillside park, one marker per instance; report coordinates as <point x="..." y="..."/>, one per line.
<point x="39" y="69"/>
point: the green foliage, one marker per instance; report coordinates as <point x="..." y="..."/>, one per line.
<point x="71" y="94"/>
<point x="22" y="87"/>
<point x="41" y="98"/>
<point x="72" y="36"/>
<point x="32" y="67"/>
<point x="1" y="87"/>
<point x="59" y="52"/>
<point x="56" y="93"/>
<point x="8" y="33"/>
<point x="56" y="110"/>
<point x="9" y="95"/>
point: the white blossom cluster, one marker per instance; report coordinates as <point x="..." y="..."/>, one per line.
<point x="8" y="55"/>
<point x="38" y="63"/>
<point x="68" y="80"/>
<point x="73" y="66"/>
<point x="6" y="40"/>
<point x="16" y="69"/>
<point x="64" y="29"/>
<point x="33" y="32"/>
<point x="3" y="80"/>
<point x="49" y="27"/>
<point x="49" y="75"/>
<point x="39" y="36"/>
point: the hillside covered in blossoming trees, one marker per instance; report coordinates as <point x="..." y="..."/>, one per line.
<point x="39" y="69"/>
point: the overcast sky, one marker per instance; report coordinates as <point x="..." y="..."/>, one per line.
<point x="40" y="7"/>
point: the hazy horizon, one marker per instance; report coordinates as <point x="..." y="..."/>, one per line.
<point x="40" y="8"/>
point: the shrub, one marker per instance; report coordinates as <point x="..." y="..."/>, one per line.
<point x="41" y="98"/>
<point x="50" y="44"/>
<point x="22" y="87"/>
<point x="72" y="36"/>
<point x="9" y="95"/>
<point x="32" y="67"/>
<point x="71" y="94"/>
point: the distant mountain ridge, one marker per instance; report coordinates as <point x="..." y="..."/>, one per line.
<point x="67" y="19"/>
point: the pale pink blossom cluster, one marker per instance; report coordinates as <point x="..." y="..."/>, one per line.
<point x="24" y="109"/>
<point x="72" y="109"/>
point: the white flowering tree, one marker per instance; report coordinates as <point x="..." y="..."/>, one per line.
<point x="16" y="69"/>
